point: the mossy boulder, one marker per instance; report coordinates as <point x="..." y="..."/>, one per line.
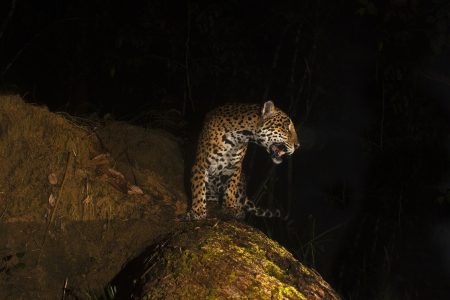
<point x="218" y="260"/>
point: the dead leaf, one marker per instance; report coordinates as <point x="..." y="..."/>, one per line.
<point x="101" y="160"/>
<point x="135" y="190"/>
<point x="101" y="156"/>
<point x="52" y="200"/>
<point x="87" y="200"/>
<point x="52" y="179"/>
<point x="115" y="174"/>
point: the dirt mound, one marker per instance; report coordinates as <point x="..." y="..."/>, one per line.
<point x="76" y="202"/>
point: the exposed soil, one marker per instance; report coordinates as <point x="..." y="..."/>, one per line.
<point x="78" y="199"/>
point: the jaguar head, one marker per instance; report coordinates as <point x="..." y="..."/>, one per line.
<point x="276" y="133"/>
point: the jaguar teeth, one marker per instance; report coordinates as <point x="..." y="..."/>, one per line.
<point x="276" y="151"/>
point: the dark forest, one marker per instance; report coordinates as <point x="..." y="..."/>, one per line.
<point x="367" y="84"/>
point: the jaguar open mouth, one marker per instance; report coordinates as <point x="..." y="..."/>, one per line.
<point x="277" y="151"/>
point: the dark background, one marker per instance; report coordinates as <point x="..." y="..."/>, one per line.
<point x="367" y="83"/>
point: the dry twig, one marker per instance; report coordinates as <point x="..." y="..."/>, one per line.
<point x="52" y="217"/>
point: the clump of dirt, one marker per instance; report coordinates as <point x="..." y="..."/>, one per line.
<point x="218" y="260"/>
<point x="76" y="202"/>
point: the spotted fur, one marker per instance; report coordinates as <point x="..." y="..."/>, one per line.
<point x="217" y="171"/>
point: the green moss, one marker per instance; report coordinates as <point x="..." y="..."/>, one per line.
<point x="256" y="292"/>
<point x="242" y="265"/>
<point x="275" y="271"/>
<point x="181" y="263"/>
<point x="285" y="291"/>
<point x="305" y="270"/>
<point x="213" y="294"/>
<point x="232" y="276"/>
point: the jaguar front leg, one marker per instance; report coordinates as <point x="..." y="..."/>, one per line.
<point x="198" y="186"/>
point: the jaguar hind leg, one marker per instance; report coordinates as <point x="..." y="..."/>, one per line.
<point x="235" y="195"/>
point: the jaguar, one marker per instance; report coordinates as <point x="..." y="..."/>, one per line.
<point x="217" y="171"/>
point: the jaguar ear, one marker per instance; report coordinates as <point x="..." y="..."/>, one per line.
<point x="268" y="109"/>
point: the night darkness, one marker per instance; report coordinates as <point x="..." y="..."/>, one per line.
<point x="366" y="82"/>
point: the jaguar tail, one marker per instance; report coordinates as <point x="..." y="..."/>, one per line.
<point x="250" y="207"/>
